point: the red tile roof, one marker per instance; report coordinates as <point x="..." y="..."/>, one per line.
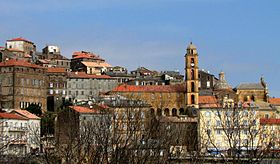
<point x="56" y="70"/>
<point x="20" y="39"/>
<point x="11" y="116"/>
<point x="150" y="88"/>
<point x="81" y="109"/>
<point x="87" y="55"/>
<point x="87" y="76"/>
<point x="27" y="114"/>
<point x="274" y="101"/>
<point x="208" y="101"/>
<point x="269" y="121"/>
<point x="15" y="62"/>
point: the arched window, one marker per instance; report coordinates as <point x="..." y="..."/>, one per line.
<point x="181" y="111"/>
<point x="152" y="111"/>
<point x="166" y="112"/>
<point x="192" y="99"/>
<point x="192" y="74"/>
<point x="192" y="87"/>
<point x="159" y="112"/>
<point x="174" y="112"/>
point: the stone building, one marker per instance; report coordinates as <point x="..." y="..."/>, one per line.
<point x="51" y="57"/>
<point x="12" y="53"/>
<point x="206" y="82"/>
<point x="165" y="100"/>
<point x="56" y="87"/>
<point x="82" y="86"/>
<point x="22" y="44"/>
<point x="252" y="91"/>
<point x="22" y="84"/>
<point x="79" y="118"/>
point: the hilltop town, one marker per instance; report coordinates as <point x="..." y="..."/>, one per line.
<point x="85" y="110"/>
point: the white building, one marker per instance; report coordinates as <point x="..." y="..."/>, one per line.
<point x="19" y="133"/>
<point x="33" y="129"/>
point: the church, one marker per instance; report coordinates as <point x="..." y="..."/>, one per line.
<point x="184" y="99"/>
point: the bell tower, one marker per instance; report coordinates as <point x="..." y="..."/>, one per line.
<point x="191" y="77"/>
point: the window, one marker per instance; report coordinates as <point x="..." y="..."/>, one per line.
<point x="207" y="114"/>
<point x="82" y="92"/>
<point x="245" y="131"/>
<point x="208" y="84"/>
<point x="56" y="91"/>
<point x="63" y="92"/>
<point x="153" y="96"/>
<point x="51" y="85"/>
<point x="142" y="114"/>
<point x="266" y="115"/>
<point x="245" y="122"/>
<point x="22" y="81"/>
<point x="192" y="74"/>
<point x="218" y="132"/>
<point x="192" y="99"/>
<point x="77" y="93"/>
<point x="218" y="123"/>
<point x="51" y="91"/>
<point x="192" y="87"/>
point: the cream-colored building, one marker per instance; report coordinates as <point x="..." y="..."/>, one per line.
<point x="239" y="128"/>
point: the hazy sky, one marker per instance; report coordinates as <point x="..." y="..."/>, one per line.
<point x="240" y="37"/>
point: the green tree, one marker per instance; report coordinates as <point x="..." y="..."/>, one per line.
<point x="35" y="109"/>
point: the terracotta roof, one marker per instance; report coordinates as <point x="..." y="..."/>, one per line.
<point x="274" y="101"/>
<point x="83" y="75"/>
<point x="269" y="121"/>
<point x="150" y="88"/>
<point x="56" y="70"/>
<point x="83" y="54"/>
<point x="15" y="62"/>
<point x="27" y="114"/>
<point x="81" y="109"/>
<point x="20" y="39"/>
<point x="11" y="116"/>
<point x="208" y="101"/>
<point x="96" y="64"/>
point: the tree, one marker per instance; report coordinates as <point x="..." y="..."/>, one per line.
<point x="35" y="109"/>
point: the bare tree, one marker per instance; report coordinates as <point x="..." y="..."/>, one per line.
<point x="233" y="134"/>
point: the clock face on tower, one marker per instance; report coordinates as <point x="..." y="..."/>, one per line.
<point x="192" y="64"/>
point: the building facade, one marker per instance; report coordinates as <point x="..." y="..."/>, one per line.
<point x="22" y="84"/>
<point x="56" y="88"/>
<point x="82" y="86"/>
<point x="22" y="44"/>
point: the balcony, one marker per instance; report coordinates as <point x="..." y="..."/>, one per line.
<point x="17" y="129"/>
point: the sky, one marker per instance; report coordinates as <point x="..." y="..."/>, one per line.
<point x="239" y="37"/>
